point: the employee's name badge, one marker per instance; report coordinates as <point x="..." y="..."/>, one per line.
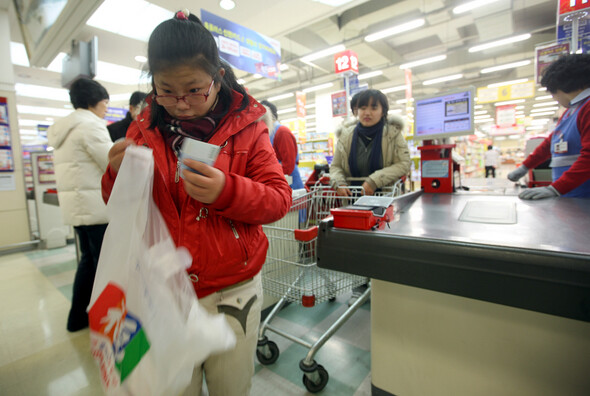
<point x="560" y="147"/>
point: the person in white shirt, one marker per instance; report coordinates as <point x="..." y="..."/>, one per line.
<point x="491" y="158"/>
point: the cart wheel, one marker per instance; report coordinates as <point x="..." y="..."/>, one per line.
<point x="322" y="380"/>
<point x="332" y="299"/>
<point x="267" y="353"/>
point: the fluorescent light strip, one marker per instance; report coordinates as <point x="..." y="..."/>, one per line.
<point x="287" y="110"/>
<point x="540" y="121"/>
<point x="501" y="42"/>
<point x="113" y="16"/>
<point x="481" y="112"/>
<point x="46" y="111"/>
<point x="546" y="113"/>
<point x="512" y="65"/>
<point x="519" y="107"/>
<point x="545" y="104"/>
<point x="394" y="89"/>
<point x="421" y="62"/>
<point x="508" y="102"/>
<point x="443" y="79"/>
<point x="483" y="120"/>
<point x="323" y="53"/>
<point x="482" y="116"/>
<point x="310" y="116"/>
<point x="318" y="87"/>
<point x="535" y="127"/>
<point x="394" y="111"/>
<point x="34" y="123"/>
<point x="471" y="5"/>
<point x="364" y="76"/>
<point x="542" y="109"/>
<point x="542" y="89"/>
<point x="38" y="91"/>
<point x="416" y="23"/>
<point x="546" y="97"/>
<point x="120" y="97"/>
<point x="279" y="97"/>
<point x="478" y="106"/>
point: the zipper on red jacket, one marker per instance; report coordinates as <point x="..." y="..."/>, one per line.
<point x="233" y="228"/>
<point x="177" y="175"/>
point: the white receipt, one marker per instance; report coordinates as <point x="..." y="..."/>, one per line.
<point x="198" y="151"/>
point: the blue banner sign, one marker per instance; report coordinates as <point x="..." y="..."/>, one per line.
<point x="115" y="114"/>
<point x="243" y="48"/>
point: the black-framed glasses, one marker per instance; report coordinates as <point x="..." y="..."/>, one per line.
<point x="191" y="99"/>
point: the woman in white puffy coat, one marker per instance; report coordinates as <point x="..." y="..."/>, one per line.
<point x="81" y="143"/>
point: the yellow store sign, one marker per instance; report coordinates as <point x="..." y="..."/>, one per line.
<point x="506" y="92"/>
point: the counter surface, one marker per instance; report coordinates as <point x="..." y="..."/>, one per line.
<point x="539" y="259"/>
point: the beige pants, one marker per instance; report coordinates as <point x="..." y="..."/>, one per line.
<point x="230" y="373"/>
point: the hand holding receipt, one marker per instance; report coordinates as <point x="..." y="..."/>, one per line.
<point x="202" y="181"/>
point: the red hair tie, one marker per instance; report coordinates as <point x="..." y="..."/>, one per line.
<point x="182" y="14"/>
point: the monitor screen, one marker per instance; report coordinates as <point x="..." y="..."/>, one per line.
<point x="444" y="115"/>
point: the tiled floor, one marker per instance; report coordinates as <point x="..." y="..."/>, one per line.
<point x="39" y="357"/>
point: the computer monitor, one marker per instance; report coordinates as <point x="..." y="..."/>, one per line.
<point x="444" y="115"/>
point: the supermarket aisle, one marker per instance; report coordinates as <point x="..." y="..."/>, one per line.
<point x="39" y="357"/>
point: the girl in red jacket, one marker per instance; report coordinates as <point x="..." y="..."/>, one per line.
<point x="216" y="213"/>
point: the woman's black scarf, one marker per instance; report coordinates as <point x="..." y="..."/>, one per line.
<point x="375" y="133"/>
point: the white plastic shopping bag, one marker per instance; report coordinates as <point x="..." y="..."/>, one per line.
<point x="147" y="328"/>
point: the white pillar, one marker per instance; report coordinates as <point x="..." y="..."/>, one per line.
<point x="13" y="211"/>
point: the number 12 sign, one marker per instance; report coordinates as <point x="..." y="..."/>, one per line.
<point x="346" y="61"/>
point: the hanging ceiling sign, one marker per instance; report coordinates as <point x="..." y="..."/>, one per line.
<point x="506" y="92"/>
<point x="346" y="61"/>
<point x="243" y="48"/>
<point x="567" y="6"/>
<point x="506" y="116"/>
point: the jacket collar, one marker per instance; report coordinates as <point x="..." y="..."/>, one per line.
<point x="234" y="121"/>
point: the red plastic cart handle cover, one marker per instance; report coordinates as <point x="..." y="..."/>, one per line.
<point x="306" y="235"/>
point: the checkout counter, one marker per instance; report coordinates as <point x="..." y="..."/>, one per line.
<point x="474" y="293"/>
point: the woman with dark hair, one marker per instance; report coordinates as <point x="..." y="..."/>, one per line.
<point x="81" y="143"/>
<point x="568" y="146"/>
<point x="216" y="212"/>
<point x="373" y="153"/>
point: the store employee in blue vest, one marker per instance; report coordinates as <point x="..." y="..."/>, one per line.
<point x="284" y="143"/>
<point x="568" y="146"/>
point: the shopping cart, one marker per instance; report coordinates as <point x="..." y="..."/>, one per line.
<point x="291" y="274"/>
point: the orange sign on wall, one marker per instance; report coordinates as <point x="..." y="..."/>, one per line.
<point x="300" y="100"/>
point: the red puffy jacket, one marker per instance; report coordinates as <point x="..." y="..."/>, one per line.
<point x="225" y="238"/>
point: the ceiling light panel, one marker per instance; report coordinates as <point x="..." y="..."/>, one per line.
<point x="443" y="79"/>
<point x="323" y="53"/>
<point x="421" y="62"/>
<point x="498" y="43"/>
<point x="465" y="7"/>
<point x="394" y="89"/>
<point x="280" y="97"/>
<point x="545" y="104"/>
<point x="46" y="111"/>
<point x="41" y="92"/>
<point x="364" y="76"/>
<point x="404" y="27"/>
<point x="114" y="16"/>
<point x="506" y="66"/>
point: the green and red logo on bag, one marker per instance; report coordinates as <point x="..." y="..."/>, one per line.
<point x="118" y="340"/>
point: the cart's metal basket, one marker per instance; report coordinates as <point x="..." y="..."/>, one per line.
<point x="290" y="270"/>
